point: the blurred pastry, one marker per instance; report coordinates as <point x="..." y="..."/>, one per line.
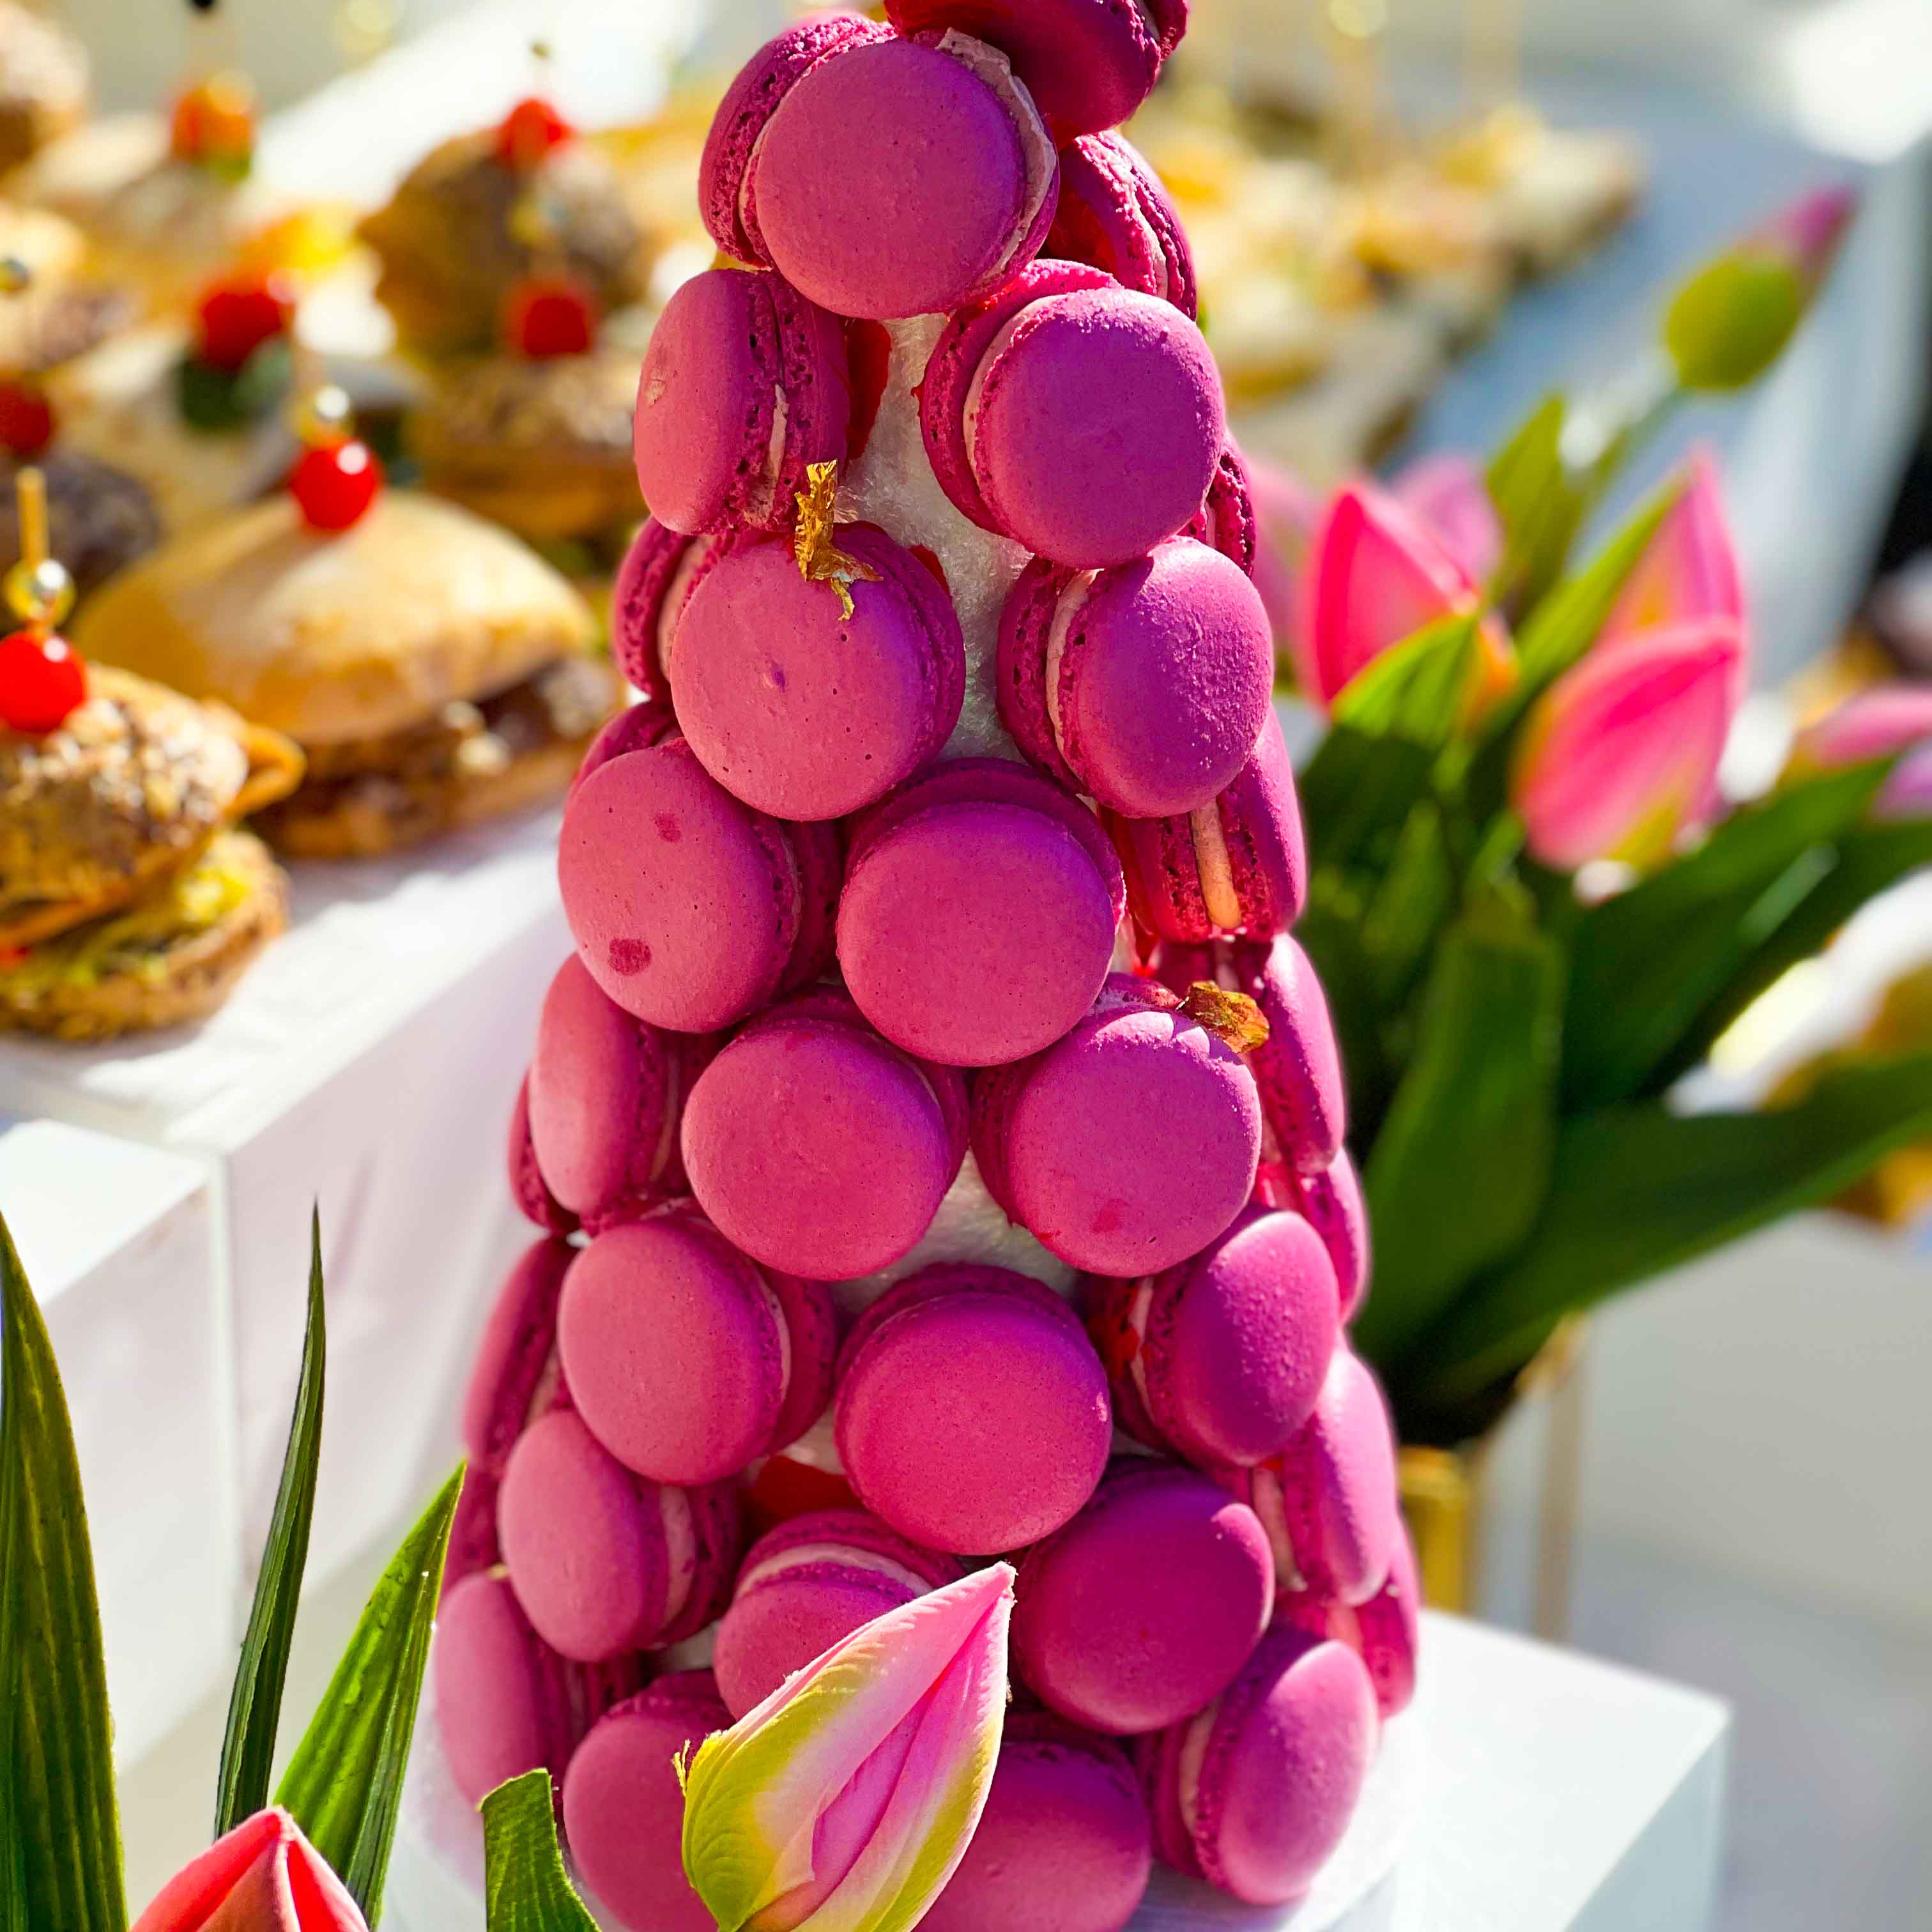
<point x="52" y="309"/>
<point x="101" y="519"/>
<point x="44" y="82"/>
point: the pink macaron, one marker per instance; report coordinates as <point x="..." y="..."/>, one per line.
<point x="1227" y="521"/>
<point x="818" y="1146"/>
<point x="1331" y="1203"/>
<point x="652" y="582"/>
<point x="806" y="1584"/>
<point x="795" y="706"/>
<point x="1327" y="1501"/>
<point x="979" y="913"/>
<point x="1384" y="1631"/>
<point x="1114" y="215"/>
<point x="1255" y="1794"/>
<point x="1081" y="419"/>
<point x="1222" y="1357"/>
<point x="686" y="1359"/>
<point x="950" y="188"/>
<point x="607" y="1090"/>
<point x="602" y="1561"/>
<point x="1146" y="686"/>
<point x="1063" y="1844"/>
<point x="1129" y="1145"/>
<point x="1088" y="63"/>
<point x="505" y="1702"/>
<point x="623" y="1806"/>
<point x="972" y="1412"/>
<point x="1238" y="863"/>
<point x="1141" y="1611"/>
<point x="515" y="1375"/>
<point x="1298" y="1067"/>
<point x="473" y="1542"/>
<point x="744" y="383"/>
<point x="690" y="909"/>
<point x="528" y="1189"/>
<point x="760" y="84"/>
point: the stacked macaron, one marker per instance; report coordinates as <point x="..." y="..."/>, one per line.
<point x="889" y="1224"/>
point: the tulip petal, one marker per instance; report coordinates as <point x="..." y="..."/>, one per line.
<point x="1874" y="724"/>
<point x="262" y="1876"/>
<point x="1450" y="494"/>
<point x="1689" y="571"/>
<point x="1908" y="792"/>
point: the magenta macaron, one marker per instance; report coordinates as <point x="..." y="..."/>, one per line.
<point x="1145" y="686"/>
<point x="515" y="1375"/>
<point x="1327" y="1501"/>
<point x="528" y="1188"/>
<point x="1237" y="863"/>
<point x="1331" y="1203"/>
<point x="795" y="706"/>
<point x="806" y="1584"/>
<point x="950" y="188"/>
<point x="979" y="913"/>
<point x="686" y="1359"/>
<point x="1130" y="1144"/>
<point x="1088" y="63"/>
<point x="1227" y="521"/>
<point x="1114" y="215"/>
<point x="606" y="1091"/>
<point x="623" y="1807"/>
<point x="1384" y="1631"/>
<point x="689" y="908"/>
<point x="652" y="582"/>
<point x="1141" y="1611"/>
<point x="602" y="1561"/>
<point x="972" y="1412"/>
<point x="744" y="383"/>
<point x="1081" y="419"/>
<point x="1063" y="1844"/>
<point x="1255" y="1794"/>
<point x="1222" y="1357"/>
<point x="505" y="1702"/>
<point x="818" y="1146"/>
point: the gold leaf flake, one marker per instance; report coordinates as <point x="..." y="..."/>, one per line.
<point x="1231" y="1017"/>
<point x="820" y="559"/>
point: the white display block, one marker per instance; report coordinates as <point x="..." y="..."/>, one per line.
<point x="367" y="1063"/>
<point x="117" y="1242"/>
<point x="1528" y="1790"/>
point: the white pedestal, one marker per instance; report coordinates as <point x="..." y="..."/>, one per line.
<point x="367" y="1062"/>
<point x="118" y="1241"/>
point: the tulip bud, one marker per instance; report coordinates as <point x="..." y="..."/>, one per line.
<point x="1731" y="320"/>
<point x="264" y="1875"/>
<point x="1450" y="494"/>
<point x="1376" y="574"/>
<point x="847" y="1797"/>
<point x="1879" y="723"/>
<point x="1688" y="572"/>
<point x="1619" y="758"/>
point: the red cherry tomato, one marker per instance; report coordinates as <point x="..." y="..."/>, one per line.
<point x="26" y="418"/>
<point x="334" y="484"/>
<point x="237" y="315"/>
<point x="42" y="681"/>
<point x="547" y="316"/>
<point x="529" y="131"/>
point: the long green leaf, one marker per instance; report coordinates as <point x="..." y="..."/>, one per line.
<point x="1650" y="961"/>
<point x="344" y="1784"/>
<point x="60" y="1855"/>
<point x="1331" y="935"/>
<point x="525" y="1886"/>
<point x="255" y="1704"/>
<point x="1637" y="1190"/>
<point x="1541" y="504"/>
<point x="1410" y="902"/>
<point x="1456" y="1177"/>
<point x="1414" y="691"/>
<point x="1356" y="792"/>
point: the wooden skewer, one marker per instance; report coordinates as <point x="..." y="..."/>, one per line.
<point x="39" y="591"/>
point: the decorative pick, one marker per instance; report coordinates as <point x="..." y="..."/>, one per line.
<point x="820" y="559"/>
<point x="26" y="416"/>
<point x="42" y="681"/>
<point x="39" y="591"/>
<point x="1232" y="1018"/>
<point x="337" y="476"/>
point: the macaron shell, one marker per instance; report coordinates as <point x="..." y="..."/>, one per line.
<point x="635" y="728"/>
<point x="1063" y="1844"/>
<point x="527" y="1187"/>
<point x="1226" y="522"/>
<point x="818" y="1148"/>
<point x="1332" y="1204"/>
<point x="764" y="1637"/>
<point x="811" y="1321"/>
<point x="649" y="580"/>
<point x="1298" y="1069"/>
<point x="1114" y="215"/>
<point x="972" y="1413"/>
<point x="684" y="903"/>
<point x="674" y="1348"/>
<point x="502" y="1703"/>
<point x="717" y="1516"/>
<point x="804" y="712"/>
<point x="623" y="1808"/>
<point x="515" y="1360"/>
<point x="1385" y="1632"/>
<point x="1144" y="1608"/>
<point x="473" y="1542"/>
<point x="1338" y="1486"/>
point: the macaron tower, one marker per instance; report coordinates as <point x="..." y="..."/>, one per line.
<point x="936" y="1139"/>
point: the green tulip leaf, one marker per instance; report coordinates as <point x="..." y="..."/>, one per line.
<point x="1541" y="504"/>
<point x="344" y="1784"/>
<point x="60" y="1835"/>
<point x="1457" y="1175"/>
<point x="525" y="1886"/>
<point x="1637" y="1190"/>
<point x="1415" y="690"/>
<point x="1356" y="792"/>
<point x="255" y="1704"/>
<point x="1730" y="322"/>
<point x="1410" y="903"/>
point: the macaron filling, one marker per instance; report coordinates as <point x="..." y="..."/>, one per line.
<point x="1212" y="861"/>
<point x="680" y="1545"/>
<point x="1038" y="154"/>
<point x="1268" y="1499"/>
<point x="1066" y="610"/>
<point x="840" y="1556"/>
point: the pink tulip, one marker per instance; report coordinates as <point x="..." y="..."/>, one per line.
<point x="263" y="1877"/>
<point x="1908" y="792"/>
<point x="1807" y="232"/>
<point x="1689" y="570"/>
<point x="1450" y="495"/>
<point x="1619" y="757"/>
<point x="1878" y="723"/>
<point x="1376" y="575"/>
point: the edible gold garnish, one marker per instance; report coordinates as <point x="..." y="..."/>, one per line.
<point x="1231" y="1017"/>
<point x="820" y="559"/>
